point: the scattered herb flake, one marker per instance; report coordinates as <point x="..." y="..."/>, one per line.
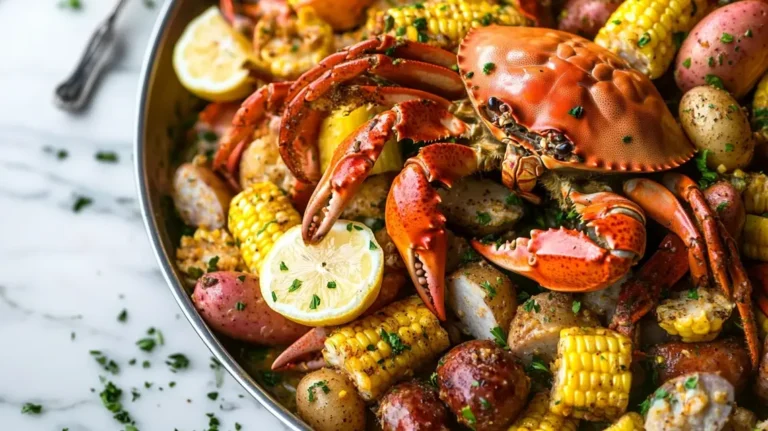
<point x="576" y="112"/>
<point x="239" y="306"/>
<point x="194" y="272"/>
<point x="691" y="382"/>
<point x="389" y="23"/>
<point x="469" y="74"/>
<point x="729" y="148"/>
<point x="394" y="341"/>
<point x="488" y="288"/>
<point x="295" y="285"/>
<point x="241" y="278"/>
<point x="274" y="297"/>
<point x="123" y="316"/>
<point x="466" y="413"/>
<point x="616" y="21"/>
<point x="531" y="305"/>
<point x="71" y="4"/>
<point x="283" y="267"/>
<point x="499" y="337"/>
<point x="212" y="395"/>
<point x="177" y="361"/>
<point x="31" y="409"/>
<point x="726" y="38"/>
<point x="513" y="199"/>
<point x="627" y="139"/>
<point x="107" y="156"/>
<point x="714" y="81"/>
<point x="645" y="39"/>
<point x="687" y="63"/>
<point x="320" y="384"/>
<point x="146" y="344"/>
<point x="372" y="246"/>
<point x="693" y="293"/>
<point x="314" y="303"/>
<point x="80" y="203"/>
<point x="576" y="307"/>
<point x="488" y="68"/>
<point x="483" y="218"/>
<point x="708" y="177"/>
<point x="331" y="284"/>
<point x="213" y="264"/>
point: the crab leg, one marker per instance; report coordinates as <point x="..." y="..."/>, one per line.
<point x="252" y="112"/>
<point x="574" y="261"/>
<point x="415" y="221"/>
<point x="354" y="158"/>
<point x="663" y="207"/>
<point x="640" y="294"/>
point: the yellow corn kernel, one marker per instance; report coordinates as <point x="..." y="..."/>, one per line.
<point x="258" y="216"/>
<point x="537" y="417"/>
<point x="756" y="192"/>
<point x="695" y="315"/>
<point x="760" y="108"/>
<point x="443" y="23"/>
<point x="207" y="251"/>
<point x="390" y="349"/>
<point x="629" y="422"/>
<point x="755" y="237"/>
<point x="592" y="378"/>
<point x="644" y="32"/>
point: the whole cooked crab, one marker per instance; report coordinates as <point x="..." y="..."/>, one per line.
<point x="554" y="102"/>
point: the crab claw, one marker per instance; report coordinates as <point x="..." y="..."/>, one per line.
<point x="415" y="222"/>
<point x="353" y="159"/>
<point x="572" y="261"/>
<point x="308" y="346"/>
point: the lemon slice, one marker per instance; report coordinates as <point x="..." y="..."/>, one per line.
<point x="209" y="58"/>
<point x="328" y="283"/>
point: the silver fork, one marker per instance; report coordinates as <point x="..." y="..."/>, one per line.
<point x="74" y="93"/>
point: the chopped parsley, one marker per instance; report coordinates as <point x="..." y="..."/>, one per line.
<point x="320" y="384"/>
<point x="691" y="382"/>
<point x="389" y="23"/>
<point x="400" y="31"/>
<point x="239" y="306"/>
<point x="513" y="199"/>
<point x="728" y="148"/>
<point x="351" y="226"/>
<point x="213" y="264"/>
<point x="71" y="4"/>
<point x="499" y="337"/>
<point x="283" y="267"/>
<point x="331" y="284"/>
<point x="616" y="21"/>
<point x="270" y="378"/>
<point x="488" y="68"/>
<point x="537" y="364"/>
<point x="420" y="23"/>
<point x="687" y="63"/>
<point x="109" y="365"/>
<point x="195" y="272"/>
<point x="146" y="344"/>
<point x="469" y="74"/>
<point x="259" y="232"/>
<point x="708" y="177"/>
<point x="576" y="307"/>
<point x="241" y="278"/>
<point x="748" y="33"/>
<point x="488" y="288"/>
<point x="394" y="342"/>
<point x="711" y="62"/>
<point x="722" y="206"/>
<point x="726" y="38"/>
<point x="107" y="156"/>
<point x="714" y="81"/>
<point x="123" y="316"/>
<point x="295" y="285"/>
<point x="274" y="296"/>
<point x="470" y="256"/>
<point x="678" y="37"/>
<point x="576" y="112"/>
<point x="693" y="293"/>
<point x="466" y="413"/>
<point x="372" y="246"/>
<point x="177" y="361"/>
<point x="80" y="203"/>
<point x="433" y="379"/>
<point x="484" y="404"/>
<point x="483" y="218"/>
<point x="31" y="409"/>
<point x="531" y="305"/>
<point x="645" y="39"/>
<point x="627" y="139"/>
<point x="213" y="395"/>
<point x="314" y="303"/>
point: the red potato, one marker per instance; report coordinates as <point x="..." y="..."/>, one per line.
<point x="586" y="17"/>
<point x="729" y="44"/>
<point x="724" y="199"/>
<point x="231" y="303"/>
<point x="412" y="406"/>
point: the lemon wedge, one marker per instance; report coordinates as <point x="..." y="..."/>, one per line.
<point x="209" y="58"/>
<point x="328" y="283"/>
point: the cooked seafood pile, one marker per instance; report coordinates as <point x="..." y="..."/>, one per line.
<point x="466" y="214"/>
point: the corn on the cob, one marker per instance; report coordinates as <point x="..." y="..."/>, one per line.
<point x="445" y="22"/>
<point x="288" y="50"/>
<point x="592" y="377"/>
<point x="755" y="237"/>
<point x="629" y="422"/>
<point x="258" y="216"/>
<point x="208" y="251"/>
<point x="537" y="417"/>
<point x="760" y="108"/>
<point x="762" y="323"/>
<point x="646" y="32"/>
<point x="379" y="350"/>
<point x="695" y="315"/>
<point x="755" y="193"/>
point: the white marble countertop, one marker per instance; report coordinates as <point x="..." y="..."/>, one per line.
<point x="66" y="276"/>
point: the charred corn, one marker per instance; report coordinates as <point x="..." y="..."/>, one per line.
<point x="755" y="193"/>
<point x="208" y="251"/>
<point x="696" y="315"/>
<point x="755" y="238"/>
<point x="537" y="417"/>
<point x="379" y="350"/>
<point x="444" y="22"/>
<point x="647" y="33"/>
<point x="592" y="375"/>
<point x="286" y="50"/>
<point x="258" y="216"/>
<point x="629" y="422"/>
<point x="760" y="108"/>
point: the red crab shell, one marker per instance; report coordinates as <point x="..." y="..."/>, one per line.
<point x="542" y="74"/>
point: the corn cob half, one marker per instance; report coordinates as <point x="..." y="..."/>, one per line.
<point x="760" y="108"/>
<point x="762" y="323"/>
<point x="592" y="377"/>
<point x="258" y="216"/>
<point x="647" y="33"/>
<point x="443" y="23"/>
<point x="208" y="251"/>
<point x="696" y="315"/>
<point x="755" y="237"/>
<point x="537" y="417"/>
<point x="629" y="422"/>
<point x="756" y="193"/>
<point x="379" y="350"/>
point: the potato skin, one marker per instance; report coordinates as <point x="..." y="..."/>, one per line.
<point x="713" y="121"/>
<point x="216" y="296"/>
<point x="412" y="406"/>
<point x="727" y="357"/>
<point x="480" y="378"/>
<point x="586" y="17"/>
<point x="744" y="59"/>
<point x="724" y="199"/>
<point x="339" y="409"/>
<point x="201" y="198"/>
